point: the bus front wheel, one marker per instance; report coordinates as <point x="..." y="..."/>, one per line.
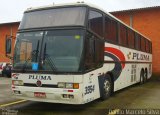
<point x="107" y="87"/>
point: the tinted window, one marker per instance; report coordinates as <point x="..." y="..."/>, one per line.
<point x="61" y="50"/>
<point x="89" y="52"/>
<point x="64" y="49"/>
<point x="96" y="22"/>
<point x="150" y="47"/>
<point x="27" y="48"/>
<point x="122" y="35"/>
<point x="143" y="44"/>
<point x="110" y="29"/>
<point x="131" y="40"/>
<point x="138" y="41"/>
<point x="54" y="17"/>
<point x="99" y="51"/>
<point x="147" y="46"/>
<point x="94" y="52"/>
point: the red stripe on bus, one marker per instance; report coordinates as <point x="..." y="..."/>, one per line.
<point x="116" y="52"/>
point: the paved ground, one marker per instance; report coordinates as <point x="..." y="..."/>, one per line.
<point x="5" y="90"/>
<point x="146" y="96"/>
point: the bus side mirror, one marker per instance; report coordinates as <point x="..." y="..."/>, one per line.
<point x="8" y="45"/>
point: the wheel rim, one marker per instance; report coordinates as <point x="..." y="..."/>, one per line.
<point x="145" y="75"/>
<point x="142" y="78"/>
<point x="107" y="86"/>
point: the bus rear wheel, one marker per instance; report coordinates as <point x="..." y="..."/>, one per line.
<point x="107" y="87"/>
<point x="143" y="77"/>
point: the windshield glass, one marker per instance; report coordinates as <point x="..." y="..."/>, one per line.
<point x="61" y="50"/>
<point x="27" y="48"/>
<point x="74" y="16"/>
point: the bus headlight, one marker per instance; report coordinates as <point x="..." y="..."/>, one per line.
<point x="61" y="85"/>
<point x="68" y="85"/>
<point x="17" y="82"/>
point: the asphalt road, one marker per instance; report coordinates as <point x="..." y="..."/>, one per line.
<point x="5" y="90"/>
<point x="146" y="96"/>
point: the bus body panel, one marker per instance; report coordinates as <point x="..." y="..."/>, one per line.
<point x="87" y="92"/>
<point x="53" y="93"/>
<point x="134" y="61"/>
<point x="91" y="85"/>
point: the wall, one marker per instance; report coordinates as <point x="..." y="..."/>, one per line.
<point x="147" y="22"/>
<point x="6" y="29"/>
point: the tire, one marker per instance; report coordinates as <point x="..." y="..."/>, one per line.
<point x="106" y="88"/>
<point x="3" y="74"/>
<point x="8" y="75"/>
<point x="145" y="76"/>
<point x="142" y="77"/>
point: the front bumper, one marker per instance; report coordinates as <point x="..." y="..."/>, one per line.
<point x="53" y="95"/>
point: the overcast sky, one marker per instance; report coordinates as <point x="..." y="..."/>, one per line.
<point x="12" y="10"/>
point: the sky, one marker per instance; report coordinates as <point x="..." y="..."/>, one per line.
<point x="12" y="10"/>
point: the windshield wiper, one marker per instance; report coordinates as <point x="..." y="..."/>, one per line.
<point x="48" y="58"/>
<point x="33" y="53"/>
<point x="36" y="52"/>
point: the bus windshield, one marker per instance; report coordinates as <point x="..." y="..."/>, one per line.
<point x="71" y="16"/>
<point x="60" y="50"/>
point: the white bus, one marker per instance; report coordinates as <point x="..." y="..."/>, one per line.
<point x="76" y="53"/>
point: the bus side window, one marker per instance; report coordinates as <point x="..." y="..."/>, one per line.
<point x="150" y="47"/>
<point x="136" y="41"/>
<point x="147" y="46"/>
<point x="99" y="51"/>
<point x="143" y="47"/>
<point x="89" y="53"/>
<point x="131" y="40"/>
<point x="110" y="30"/>
<point x="122" y="35"/>
<point x="96" y="22"/>
<point x="94" y="52"/>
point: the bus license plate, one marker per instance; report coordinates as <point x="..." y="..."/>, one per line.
<point x="40" y="94"/>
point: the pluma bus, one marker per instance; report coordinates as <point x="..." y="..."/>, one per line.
<point x="76" y="53"/>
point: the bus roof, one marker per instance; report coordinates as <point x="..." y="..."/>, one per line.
<point x="83" y="4"/>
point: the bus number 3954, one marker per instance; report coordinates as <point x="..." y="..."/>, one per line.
<point x="89" y="89"/>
